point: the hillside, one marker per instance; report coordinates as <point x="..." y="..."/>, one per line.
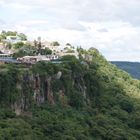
<point x="71" y="100"/>
<point x="131" y="67"/>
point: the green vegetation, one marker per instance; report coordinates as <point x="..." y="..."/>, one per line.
<point x="22" y="36"/>
<point x="23" y="50"/>
<point x="28" y="50"/>
<point x="46" y="51"/>
<point x="83" y="100"/>
<point x="69" y="50"/>
<point x="18" y="45"/>
<point x="55" y="43"/>
<point x="4" y="34"/>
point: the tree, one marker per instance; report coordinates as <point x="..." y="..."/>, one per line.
<point x="76" y="99"/>
<point x="18" y="45"/>
<point x="68" y="44"/>
<point x="8" y="45"/>
<point x="35" y="43"/>
<point x="46" y="51"/>
<point x="3" y="35"/>
<point x="1" y="38"/>
<point x="39" y="39"/>
<point x="55" y="43"/>
<point x="11" y="33"/>
<point x="39" y="45"/>
<point x="22" y="36"/>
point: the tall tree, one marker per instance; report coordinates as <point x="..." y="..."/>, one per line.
<point x="39" y="45"/>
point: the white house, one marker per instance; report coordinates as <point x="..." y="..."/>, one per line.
<point x="54" y="49"/>
<point x="13" y="39"/>
<point x="61" y="54"/>
<point x="34" y="59"/>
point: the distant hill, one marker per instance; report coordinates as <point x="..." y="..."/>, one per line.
<point x="131" y="67"/>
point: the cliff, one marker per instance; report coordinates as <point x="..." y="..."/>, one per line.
<point x="73" y="100"/>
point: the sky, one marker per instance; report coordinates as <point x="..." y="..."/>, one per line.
<point x="111" y="26"/>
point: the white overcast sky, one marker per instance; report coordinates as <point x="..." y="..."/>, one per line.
<point x="112" y="26"/>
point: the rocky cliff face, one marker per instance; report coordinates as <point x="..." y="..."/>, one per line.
<point x="44" y="82"/>
<point x="32" y="89"/>
<point x="37" y="89"/>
